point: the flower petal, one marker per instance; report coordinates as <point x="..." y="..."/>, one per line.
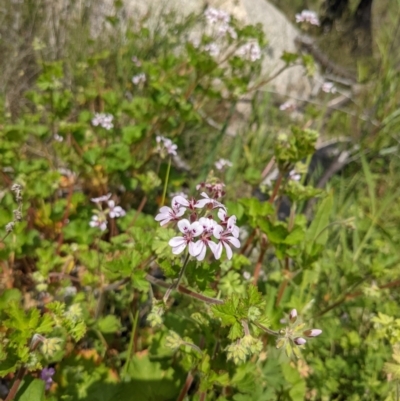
<point x="184" y="225"/>
<point x="234" y="241"/>
<point x="228" y="251"/>
<point x="177" y="241"/>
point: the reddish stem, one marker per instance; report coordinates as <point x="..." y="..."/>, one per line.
<point x="186" y="386"/>
<point x="276" y="188"/>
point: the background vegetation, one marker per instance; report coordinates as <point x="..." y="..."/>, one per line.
<point x="88" y="303"/>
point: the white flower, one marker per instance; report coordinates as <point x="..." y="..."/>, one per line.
<point x="225" y="239"/>
<point x="246" y="275"/>
<point x="189" y="231"/>
<point x="289" y="105"/>
<point x="229" y="222"/>
<point x="167" y="214"/>
<point x="249" y="51"/>
<point x="227" y="29"/>
<point x="139" y="78"/>
<point x="308" y="16"/>
<point x="328" y="87"/>
<point x="104" y="120"/>
<point x="96" y="221"/>
<point x="222" y="163"/>
<point x="208" y="225"/>
<point x="293" y="175"/>
<point x="115" y="211"/>
<point x="165" y="145"/>
<point x="100" y="199"/>
<point x="212" y="49"/>
<point x="58" y="138"/>
<point x="214" y="16"/>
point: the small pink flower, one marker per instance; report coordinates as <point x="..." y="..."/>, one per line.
<point x="213" y="16"/>
<point x="328" y="87"/>
<point x="139" y="78"/>
<point x="225" y="238"/>
<point x="98" y="222"/>
<point x="229" y="222"/>
<point x="249" y="51"/>
<point x="168" y="214"/>
<point x="165" y="145"/>
<point x="115" y="211"/>
<point x="100" y="199"/>
<point x="208" y="225"/>
<point x="288" y="106"/>
<point x="189" y="231"/>
<point x="308" y="16"/>
<point x="222" y="163"/>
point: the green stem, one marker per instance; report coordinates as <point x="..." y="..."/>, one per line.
<point x="128" y="359"/>
<point x="177" y="282"/>
<point x="166" y="182"/>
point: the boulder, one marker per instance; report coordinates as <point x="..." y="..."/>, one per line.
<point x="279" y="31"/>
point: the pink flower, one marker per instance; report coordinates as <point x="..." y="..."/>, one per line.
<point x="115" y="211"/>
<point x="222" y="163"/>
<point x="229" y="222"/>
<point x="225" y="239"/>
<point x="208" y="229"/>
<point x="100" y="199"/>
<point x="214" y="16"/>
<point x="288" y="106"/>
<point x="139" y="78"/>
<point x="99" y="222"/>
<point x="189" y="231"/>
<point x="165" y="145"/>
<point x="104" y="120"/>
<point x="167" y="214"/>
<point x="249" y="51"/>
<point x="308" y="16"/>
<point x="328" y="87"/>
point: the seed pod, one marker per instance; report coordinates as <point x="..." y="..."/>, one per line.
<point x="299" y="341"/>
<point x="312" y="332"/>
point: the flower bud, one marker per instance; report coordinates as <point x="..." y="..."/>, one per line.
<point x="293" y="316"/>
<point x="312" y="332"/>
<point x="299" y="341"/>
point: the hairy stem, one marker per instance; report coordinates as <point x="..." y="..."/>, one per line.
<point x="176" y="283"/>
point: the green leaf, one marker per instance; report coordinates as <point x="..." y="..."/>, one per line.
<point x="109" y="324"/>
<point x="317" y="233"/>
<point x="236" y="331"/>
<point x="31" y="390"/>
<point x="226" y="312"/>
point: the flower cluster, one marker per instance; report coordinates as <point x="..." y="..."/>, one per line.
<point x="249" y="51"/>
<point x="222" y="164"/>
<point x="165" y="146"/>
<point x="212" y="49"/>
<point x="99" y="219"/>
<point x="293" y="335"/>
<point x="139" y="78"/>
<point x="103" y="120"/>
<point x="200" y="231"/>
<point x="328" y="87"/>
<point x="221" y="19"/>
<point x="47" y="376"/>
<point x="308" y="16"/>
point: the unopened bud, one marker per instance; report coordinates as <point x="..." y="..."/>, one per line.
<point x="299" y="341"/>
<point x="10" y="227"/>
<point x="312" y="332"/>
<point x="293" y="316"/>
<point x="17" y="215"/>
